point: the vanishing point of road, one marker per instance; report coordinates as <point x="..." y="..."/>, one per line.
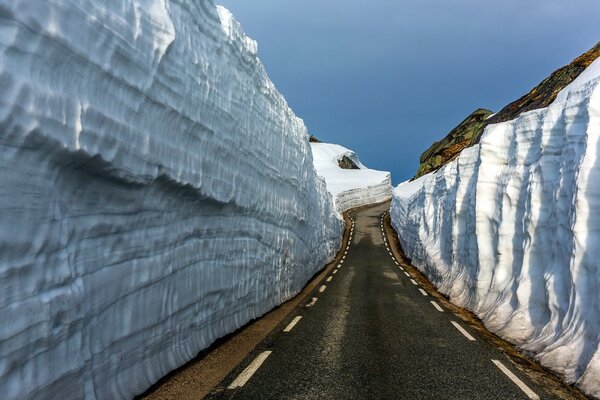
<point x="371" y="331"/>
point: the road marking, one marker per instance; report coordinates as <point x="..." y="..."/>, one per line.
<point x="335" y="272"/>
<point x="463" y="331"/>
<point x="329" y="279"/>
<point x="437" y="306"/>
<point x="401" y="269"/>
<point x="413" y="282"/>
<point x="530" y="393"/>
<point x="343" y="258"/>
<point x="314" y="300"/>
<point x="424" y="293"/>
<point x="348" y="247"/>
<point x="341" y="262"/>
<point x="249" y="371"/>
<point x="292" y="324"/>
<point x="390" y="253"/>
<point x="406" y="273"/>
<point x="345" y="252"/>
<point x="396" y="262"/>
<point x="322" y="288"/>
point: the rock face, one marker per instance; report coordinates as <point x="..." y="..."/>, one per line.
<point x="457" y="140"/>
<point x="539" y="97"/>
<point x="510" y="229"/>
<point x="346" y="163"/>
<point x="156" y="193"/>
<point x="350" y="183"/>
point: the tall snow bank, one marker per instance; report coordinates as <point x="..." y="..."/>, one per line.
<point x="156" y="193"/>
<point x="511" y="230"/>
<point x="350" y="187"/>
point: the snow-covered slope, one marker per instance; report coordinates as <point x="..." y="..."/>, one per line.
<point x="156" y="193"/>
<point x="350" y="187"/>
<point x="511" y="230"/>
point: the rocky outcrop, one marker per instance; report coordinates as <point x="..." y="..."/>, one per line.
<point x="541" y="96"/>
<point x="458" y="139"/>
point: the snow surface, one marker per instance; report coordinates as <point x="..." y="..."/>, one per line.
<point x="156" y="193"/>
<point x="511" y="230"/>
<point x="350" y="187"/>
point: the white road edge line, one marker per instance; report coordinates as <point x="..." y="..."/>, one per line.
<point x="329" y="279"/>
<point x="437" y="306"/>
<point x="424" y="293"/>
<point x="530" y="393"/>
<point x="249" y="371"/>
<point x="292" y="324"/>
<point x="413" y="282"/>
<point x="463" y="331"/>
<point x="314" y="300"/>
<point x="322" y="288"/>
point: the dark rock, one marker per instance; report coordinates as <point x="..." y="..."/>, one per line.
<point x="541" y="96"/>
<point x="449" y="147"/>
<point x="346" y="163"/>
<point x="313" y="139"/>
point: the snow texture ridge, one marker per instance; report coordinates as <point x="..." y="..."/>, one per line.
<point x="156" y="193"/>
<point x="510" y="230"/>
<point x="350" y="187"/>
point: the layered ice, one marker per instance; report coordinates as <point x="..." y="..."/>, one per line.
<point x="350" y="187"/>
<point x="156" y="193"/>
<point x="511" y="230"/>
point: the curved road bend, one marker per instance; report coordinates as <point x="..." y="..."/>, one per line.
<point x="373" y="333"/>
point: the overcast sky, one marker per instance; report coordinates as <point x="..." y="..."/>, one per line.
<point x="387" y="78"/>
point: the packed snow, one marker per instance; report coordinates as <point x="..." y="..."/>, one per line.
<point x="511" y="230"/>
<point x="156" y="193"/>
<point x="350" y="187"/>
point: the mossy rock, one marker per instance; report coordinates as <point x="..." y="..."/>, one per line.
<point x="468" y="132"/>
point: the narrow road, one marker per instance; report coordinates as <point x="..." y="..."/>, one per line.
<point x="371" y="332"/>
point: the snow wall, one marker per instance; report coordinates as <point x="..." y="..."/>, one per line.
<point x="350" y="187"/>
<point x="511" y="230"/>
<point x="156" y="193"/>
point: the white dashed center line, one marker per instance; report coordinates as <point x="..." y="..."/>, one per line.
<point x="413" y="282"/>
<point x="530" y="393"/>
<point x="437" y="306"/>
<point x="329" y="279"/>
<point x="322" y="288"/>
<point x="406" y="273"/>
<point x="424" y="293"/>
<point x="249" y="371"/>
<point x="463" y="331"/>
<point x="292" y="324"/>
<point x="335" y="272"/>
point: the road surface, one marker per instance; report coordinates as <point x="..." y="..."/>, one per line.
<point x="370" y="331"/>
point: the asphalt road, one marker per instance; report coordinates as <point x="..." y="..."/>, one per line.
<point x="374" y="334"/>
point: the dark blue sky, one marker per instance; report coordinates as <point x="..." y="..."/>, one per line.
<point x="387" y="78"/>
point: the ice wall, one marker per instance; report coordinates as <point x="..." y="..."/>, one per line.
<point x="511" y="230"/>
<point x="350" y="187"/>
<point x="156" y="193"/>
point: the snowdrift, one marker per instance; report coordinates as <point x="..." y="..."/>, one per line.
<point x="350" y="187"/>
<point x="511" y="230"/>
<point x="156" y="193"/>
